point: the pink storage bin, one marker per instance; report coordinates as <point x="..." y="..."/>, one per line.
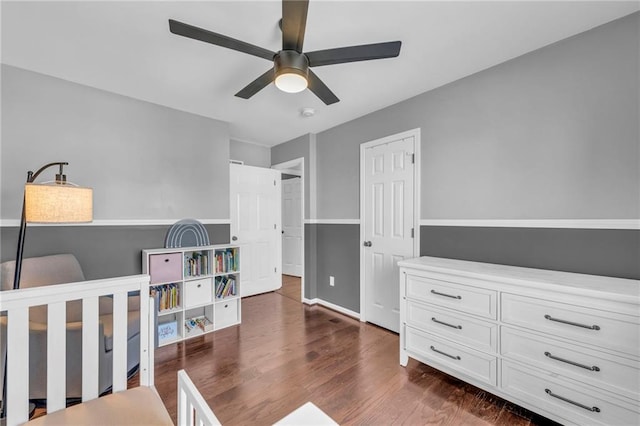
<point x="165" y="268"/>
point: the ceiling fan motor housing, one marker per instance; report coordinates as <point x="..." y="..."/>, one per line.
<point x="291" y="62"/>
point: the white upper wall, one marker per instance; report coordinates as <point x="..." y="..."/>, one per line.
<point x="250" y="153"/>
<point x="552" y="134"/>
<point x="144" y="161"/>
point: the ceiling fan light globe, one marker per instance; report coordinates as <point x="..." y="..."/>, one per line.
<point x="291" y="82"/>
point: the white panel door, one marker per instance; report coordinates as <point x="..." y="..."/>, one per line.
<point x="292" y="227"/>
<point x="255" y="226"/>
<point x="388" y="227"/>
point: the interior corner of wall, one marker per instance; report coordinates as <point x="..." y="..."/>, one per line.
<point x="313" y="181"/>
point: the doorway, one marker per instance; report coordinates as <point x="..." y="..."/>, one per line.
<point x="292" y="175"/>
<point x="292" y="225"/>
<point x="389" y="218"/>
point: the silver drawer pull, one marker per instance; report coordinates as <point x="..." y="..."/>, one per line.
<point x="577" y="404"/>
<point x="590" y="327"/>
<point x="577" y="364"/>
<point x="445" y="354"/>
<point x="446" y="295"/>
<point x="459" y="327"/>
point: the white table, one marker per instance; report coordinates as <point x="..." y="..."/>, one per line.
<point x="308" y="414"/>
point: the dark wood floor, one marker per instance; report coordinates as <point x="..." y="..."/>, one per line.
<point x="290" y="288"/>
<point x="285" y="353"/>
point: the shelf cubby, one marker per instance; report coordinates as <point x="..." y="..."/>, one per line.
<point x="197" y="263"/>
<point x="226" y="260"/>
<point x="198" y="321"/>
<point x="169" y="329"/>
<point x="168" y="297"/>
<point x="225" y="287"/>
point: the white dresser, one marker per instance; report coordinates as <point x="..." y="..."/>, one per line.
<point x="564" y="345"/>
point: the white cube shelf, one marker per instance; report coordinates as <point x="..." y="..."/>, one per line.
<point x="197" y="289"/>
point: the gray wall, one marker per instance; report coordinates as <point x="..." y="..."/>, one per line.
<point x="103" y="251"/>
<point x="299" y="147"/>
<point x="552" y="134"/>
<point x="310" y="261"/>
<point x="144" y="162"/>
<point x="338" y="255"/>
<point x="609" y="252"/>
<point x="251" y="154"/>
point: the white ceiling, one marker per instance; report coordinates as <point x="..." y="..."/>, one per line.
<point x="126" y="48"/>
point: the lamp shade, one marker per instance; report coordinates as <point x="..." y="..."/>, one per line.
<point x="57" y="203"/>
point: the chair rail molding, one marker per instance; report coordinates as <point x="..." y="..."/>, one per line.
<point x="332" y="221"/>
<point x="115" y="222"/>
<point x="537" y="223"/>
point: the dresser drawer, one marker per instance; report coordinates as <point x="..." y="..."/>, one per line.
<point x="460" y="297"/>
<point x="578" y="404"/>
<point x="457" y="357"/>
<point x="602" y="329"/>
<point x="198" y="292"/>
<point x="165" y="268"/>
<point x="613" y="373"/>
<point x="455" y="326"/>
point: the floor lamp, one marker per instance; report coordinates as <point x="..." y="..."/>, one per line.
<point x="49" y="202"/>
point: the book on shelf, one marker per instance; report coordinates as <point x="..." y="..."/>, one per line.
<point x="202" y="323"/>
<point x="226" y="261"/>
<point x="234" y="260"/>
<point x="167" y="331"/>
<point x="225" y="287"/>
<point x="196" y="264"/>
<point x="167" y="296"/>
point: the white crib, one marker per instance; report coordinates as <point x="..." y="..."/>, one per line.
<point x="133" y="406"/>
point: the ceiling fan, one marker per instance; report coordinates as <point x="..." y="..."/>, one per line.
<point x="291" y="67"/>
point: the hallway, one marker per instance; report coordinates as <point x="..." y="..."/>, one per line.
<point x="291" y="287"/>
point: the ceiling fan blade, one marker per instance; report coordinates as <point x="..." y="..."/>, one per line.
<point x="365" y="52"/>
<point x="256" y="85"/>
<point x="196" y="33"/>
<point x="294" y="22"/>
<point x="321" y="90"/>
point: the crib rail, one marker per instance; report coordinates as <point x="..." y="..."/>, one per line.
<point x="193" y="410"/>
<point x="15" y="305"/>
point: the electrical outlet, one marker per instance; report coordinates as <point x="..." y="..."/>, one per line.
<point x="332" y="281"/>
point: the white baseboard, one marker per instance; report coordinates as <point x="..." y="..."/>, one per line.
<point x="332" y="221"/>
<point x="333" y="307"/>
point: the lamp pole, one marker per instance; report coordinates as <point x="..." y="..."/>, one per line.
<point x="31" y="177"/>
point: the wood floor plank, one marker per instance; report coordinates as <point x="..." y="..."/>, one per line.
<point x="285" y="353"/>
<point x="485" y="405"/>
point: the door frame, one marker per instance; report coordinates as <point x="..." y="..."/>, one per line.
<point x="416" y="203"/>
<point x="289" y="167"/>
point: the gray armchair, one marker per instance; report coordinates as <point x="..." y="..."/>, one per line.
<point x="59" y="269"/>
